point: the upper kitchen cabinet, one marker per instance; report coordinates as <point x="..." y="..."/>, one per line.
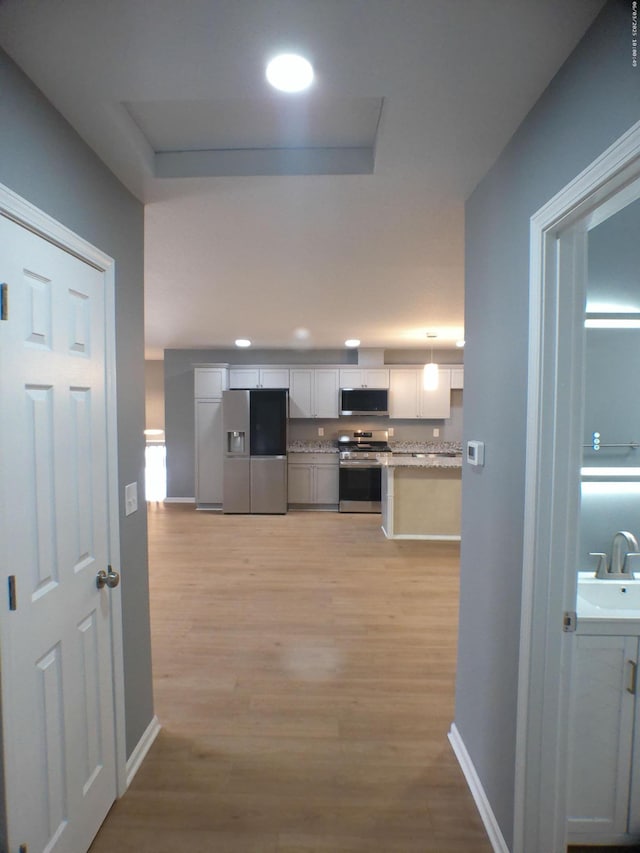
<point x="209" y="382"/>
<point x="314" y="392"/>
<point x="359" y="377"/>
<point x="408" y="400"/>
<point x="457" y="378"/>
<point x="259" y="377"/>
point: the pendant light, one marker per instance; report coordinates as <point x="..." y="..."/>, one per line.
<point x="430" y="373"/>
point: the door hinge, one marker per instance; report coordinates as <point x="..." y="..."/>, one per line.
<point x="569" y="621"/>
<point x="4" y="301"/>
<point x="13" y="601"/>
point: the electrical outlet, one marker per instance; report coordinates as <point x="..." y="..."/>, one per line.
<point x="390" y="432"/>
<point x="130" y="498"/>
<point x="320" y="430"/>
<point x="436" y="432"/>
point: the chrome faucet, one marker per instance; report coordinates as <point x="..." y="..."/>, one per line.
<point x="624" y="553"/>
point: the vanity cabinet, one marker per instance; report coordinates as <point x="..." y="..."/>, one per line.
<point x="603" y="795"/>
<point x="209" y="383"/>
<point x="360" y="377"/>
<point x="259" y="377"/>
<point x="313" y="479"/>
<point x="313" y="392"/>
<point x="409" y="401"/>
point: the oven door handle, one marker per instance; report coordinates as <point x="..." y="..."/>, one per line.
<point x="366" y="463"/>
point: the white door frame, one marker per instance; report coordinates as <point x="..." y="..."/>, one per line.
<point x="24" y="213"/>
<point x="558" y="250"/>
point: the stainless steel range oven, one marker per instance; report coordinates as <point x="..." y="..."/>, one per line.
<point x="361" y="470"/>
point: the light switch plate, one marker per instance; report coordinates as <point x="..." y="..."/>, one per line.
<point x="130" y="498"/>
<point x="436" y="432"/>
<point x="320" y="431"/>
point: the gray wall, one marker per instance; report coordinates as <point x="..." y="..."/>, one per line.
<point x="179" y="410"/>
<point x="589" y="104"/>
<point x="46" y="162"/>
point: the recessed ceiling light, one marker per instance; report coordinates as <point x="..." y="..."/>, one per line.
<point x="290" y="73"/>
<point x="460" y="344"/>
<point x="352" y="342"/>
<point x="243" y="342"/>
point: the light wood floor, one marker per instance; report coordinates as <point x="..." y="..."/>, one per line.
<point x="304" y="676"/>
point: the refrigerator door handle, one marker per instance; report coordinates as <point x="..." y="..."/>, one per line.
<point x="262" y="456"/>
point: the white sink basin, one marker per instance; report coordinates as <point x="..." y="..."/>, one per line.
<point x="608" y="599"/>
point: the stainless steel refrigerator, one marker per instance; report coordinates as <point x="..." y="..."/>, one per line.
<point x="255" y="451"/>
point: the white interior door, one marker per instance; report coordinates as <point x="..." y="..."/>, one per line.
<point x="56" y="652"/>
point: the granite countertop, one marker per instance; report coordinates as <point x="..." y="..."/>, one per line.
<point x="429" y="460"/>
<point x="426" y="447"/>
<point x="402" y="457"/>
<point x="312" y="447"/>
<point x="401" y="450"/>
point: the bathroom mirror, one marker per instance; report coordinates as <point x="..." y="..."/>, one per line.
<point x="610" y="481"/>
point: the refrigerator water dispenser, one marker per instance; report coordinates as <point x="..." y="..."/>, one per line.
<point x="235" y="442"/>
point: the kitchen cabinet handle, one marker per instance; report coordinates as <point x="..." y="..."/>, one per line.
<point x="631" y="687"/>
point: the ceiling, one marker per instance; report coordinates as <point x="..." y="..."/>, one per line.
<point x="249" y="238"/>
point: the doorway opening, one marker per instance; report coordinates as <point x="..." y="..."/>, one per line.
<point x="556" y="403"/>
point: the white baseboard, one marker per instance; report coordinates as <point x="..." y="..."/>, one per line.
<point x="142" y="748"/>
<point x="427" y="537"/>
<point x="179" y="500"/>
<point x="477" y="791"/>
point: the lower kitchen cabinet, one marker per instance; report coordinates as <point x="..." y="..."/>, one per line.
<point x="602" y="804"/>
<point x="313" y="480"/>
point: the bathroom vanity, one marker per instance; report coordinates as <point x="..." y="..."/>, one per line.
<point x="604" y="741"/>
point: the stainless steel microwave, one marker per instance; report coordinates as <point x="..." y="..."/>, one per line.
<point x="364" y="401"/>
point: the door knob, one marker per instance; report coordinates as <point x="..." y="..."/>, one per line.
<point x="110" y="578"/>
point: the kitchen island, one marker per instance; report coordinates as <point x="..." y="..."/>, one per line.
<point x="421" y="495"/>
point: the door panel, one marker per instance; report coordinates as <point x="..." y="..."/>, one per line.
<point x="601" y="737"/>
<point x="300" y="488"/>
<point x="326" y="484"/>
<point x="268" y="484"/>
<point x="57" y="680"/>
<point x="209" y="451"/>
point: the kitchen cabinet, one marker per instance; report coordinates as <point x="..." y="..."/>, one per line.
<point x="209" y="383"/>
<point x="313" y="479"/>
<point x="259" y="377"/>
<point x="421" y="501"/>
<point x="209" y="458"/>
<point x="408" y="400"/>
<point x="313" y="392"/>
<point x="602" y="804"/>
<point x="457" y="378"/>
<point x="359" y="377"/>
